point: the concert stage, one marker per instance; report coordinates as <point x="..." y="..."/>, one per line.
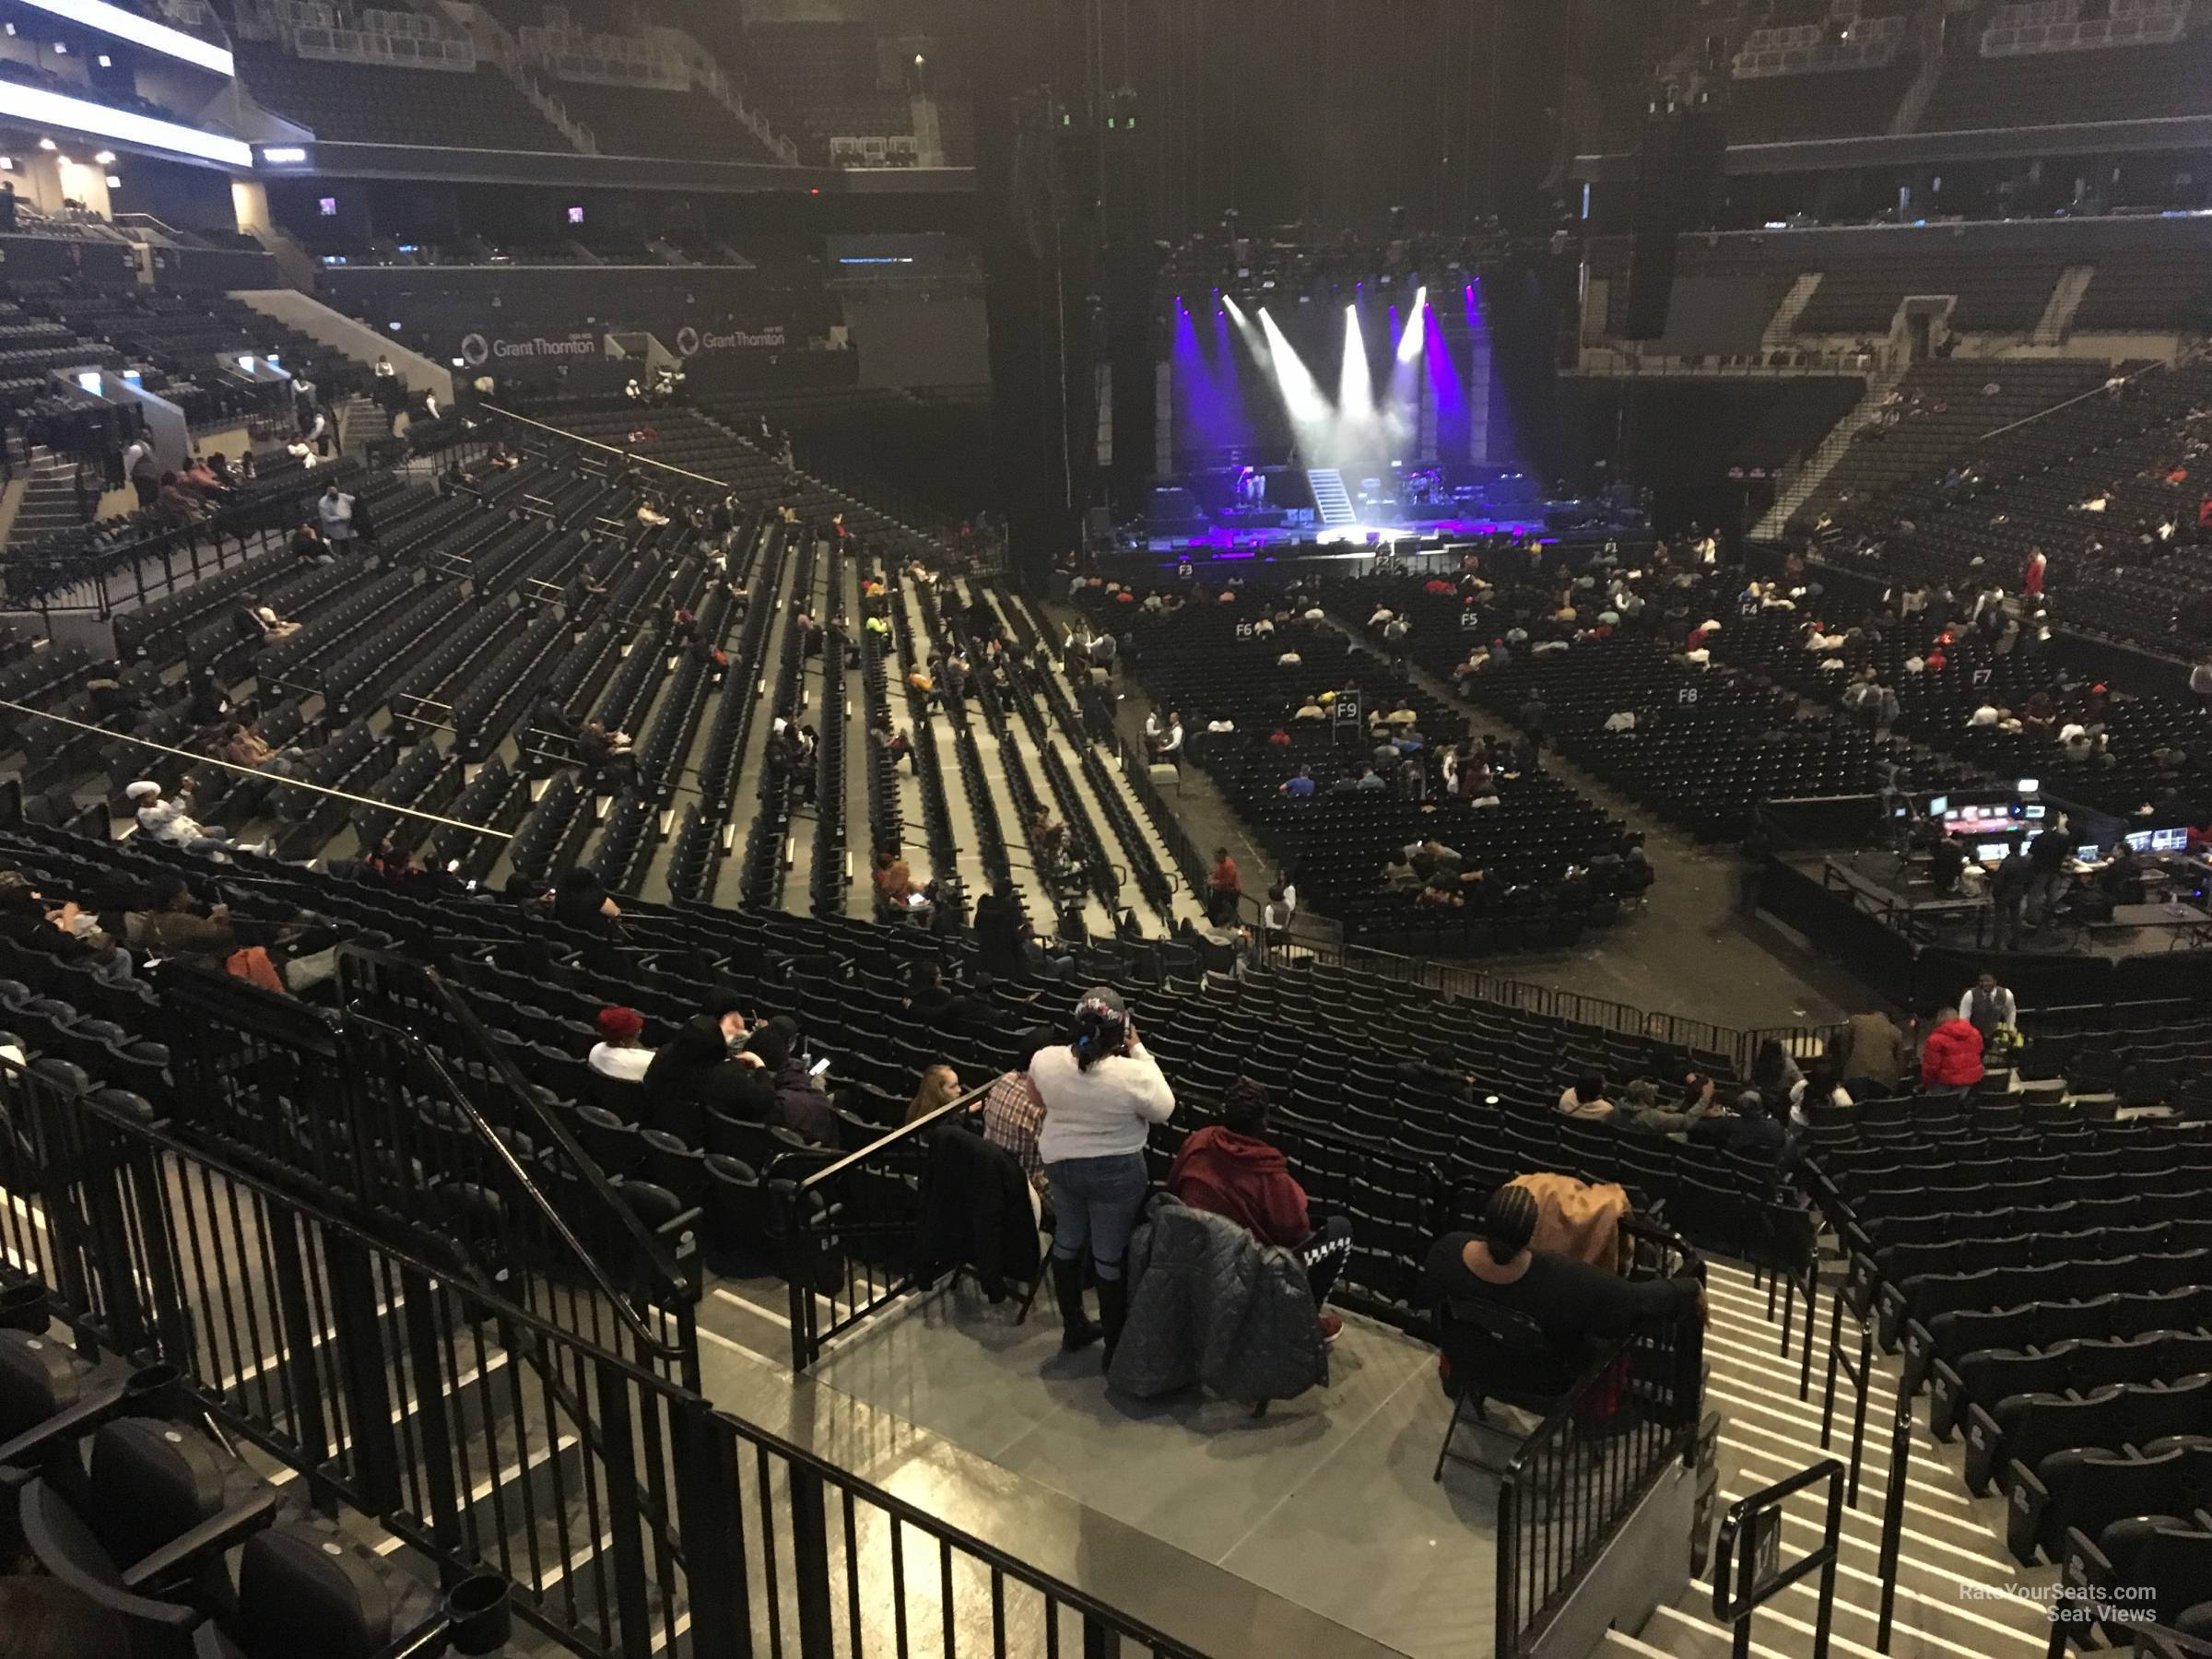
<point x="1259" y="541"/>
<point x="1286" y="510"/>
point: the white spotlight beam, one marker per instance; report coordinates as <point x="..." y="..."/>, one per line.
<point x="1355" y="386"/>
<point x="1412" y="336"/>
<point x="1311" y="416"/>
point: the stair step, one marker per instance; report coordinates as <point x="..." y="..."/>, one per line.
<point x="1625" y="1646"/>
<point x="1331" y="501"/>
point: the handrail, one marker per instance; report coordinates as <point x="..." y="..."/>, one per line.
<point x="1556" y="1557"/>
<point x="1862" y="1290"/>
<point x="806" y="1204"/>
<point x="269" y="778"/>
<point x="1737" y="1611"/>
<point x="675" y="1282"/>
<point x="627" y="454"/>
<point x="2099" y="391"/>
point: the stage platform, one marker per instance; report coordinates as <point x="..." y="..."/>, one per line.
<point x="1420" y="535"/>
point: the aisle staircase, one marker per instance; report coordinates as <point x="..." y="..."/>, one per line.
<point x="1330" y="501"/>
<point x="48" y="503"/>
<point x="2057" y="320"/>
<point x="1823" y="460"/>
<point x="1959" y="1593"/>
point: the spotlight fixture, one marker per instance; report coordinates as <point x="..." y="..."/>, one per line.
<point x="48" y="144"/>
<point x="114" y="182"/>
<point x="105" y="157"/>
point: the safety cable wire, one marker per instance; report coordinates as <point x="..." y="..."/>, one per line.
<point x="198" y="759"/>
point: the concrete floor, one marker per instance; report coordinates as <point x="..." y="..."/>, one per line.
<point x="1325" y="1501"/>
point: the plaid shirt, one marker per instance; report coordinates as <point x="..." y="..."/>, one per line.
<point x="1012" y="1115"/>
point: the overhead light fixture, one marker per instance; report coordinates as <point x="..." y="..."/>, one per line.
<point x="106" y="61"/>
<point x="61" y="49"/>
<point x="7" y="164"/>
<point x="114" y="182"/>
<point x="48" y="144"/>
<point x="36" y="107"/>
<point x="105" y="157"/>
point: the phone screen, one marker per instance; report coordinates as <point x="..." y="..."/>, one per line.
<point x="817" y="1068"/>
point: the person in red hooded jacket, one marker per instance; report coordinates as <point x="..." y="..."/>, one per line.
<point x="1950" y="1058"/>
<point x="1228" y="1170"/>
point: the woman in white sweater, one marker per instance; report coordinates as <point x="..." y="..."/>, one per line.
<point x="1101" y="1095"/>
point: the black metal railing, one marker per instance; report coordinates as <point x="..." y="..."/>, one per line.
<point x="1474" y="985"/>
<point x="1748" y="1570"/>
<point x="403" y="1116"/>
<point x="480" y="1434"/>
<point x="1863" y="1294"/>
<point x="848" y="1228"/>
<point x="1577" y="1479"/>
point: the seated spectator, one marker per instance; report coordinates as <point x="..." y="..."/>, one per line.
<point x="254" y="620"/>
<point x="175" y="503"/>
<point x="1753" y="1131"/>
<point x="940" y="1086"/>
<point x="581" y="901"/>
<point x="1230" y="1170"/>
<point x="209" y="703"/>
<point x="606" y="755"/>
<point x="243" y="745"/>
<point x="308" y="546"/>
<point x="170" y="924"/>
<point x="166" y="821"/>
<point x="800" y="1104"/>
<point x="1300" y="786"/>
<point x="61" y="931"/>
<point x="1818" y="1085"/>
<point x="1585" y="1098"/>
<point x="1014" y="1112"/>
<point x="1577" y="1305"/>
<point x="619" y="1054"/>
<point x="895" y="886"/>
<point x="701" y="1067"/>
<point x="1639" y="1112"/>
<point x="935" y="1005"/>
<point x="1774" y="1074"/>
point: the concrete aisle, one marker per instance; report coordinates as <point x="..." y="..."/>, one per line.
<point x="774" y="590"/>
<point x="860" y="834"/>
<point x="815" y="689"/>
<point x="959" y="811"/>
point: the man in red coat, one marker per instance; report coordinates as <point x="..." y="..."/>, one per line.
<point x="1228" y="1170"/>
<point x="1950" y="1058"/>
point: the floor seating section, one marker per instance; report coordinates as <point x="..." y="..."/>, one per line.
<point x="1707" y="744"/>
<point x="1193" y="661"/>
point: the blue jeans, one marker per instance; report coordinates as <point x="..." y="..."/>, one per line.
<point x="1095" y="1202"/>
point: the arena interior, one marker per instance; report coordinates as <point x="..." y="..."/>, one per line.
<point x="1441" y="772"/>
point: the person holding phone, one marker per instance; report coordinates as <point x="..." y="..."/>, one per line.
<point x="801" y="1105"/>
<point x="1101" y="1093"/>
